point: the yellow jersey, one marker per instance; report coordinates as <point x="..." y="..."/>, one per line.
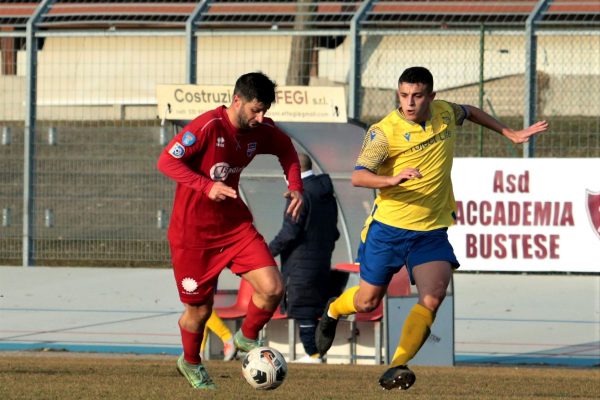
<point x="394" y="143"/>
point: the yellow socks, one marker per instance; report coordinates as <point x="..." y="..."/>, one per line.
<point x="415" y="331"/>
<point x="216" y="325"/>
<point x="343" y="305"/>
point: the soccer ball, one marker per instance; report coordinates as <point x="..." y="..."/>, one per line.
<point x="264" y="368"/>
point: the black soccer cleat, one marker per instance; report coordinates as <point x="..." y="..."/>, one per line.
<point x="325" y="332"/>
<point x="397" y="377"/>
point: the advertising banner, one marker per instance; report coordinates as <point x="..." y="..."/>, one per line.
<point x="531" y="215"/>
<point x="292" y="103"/>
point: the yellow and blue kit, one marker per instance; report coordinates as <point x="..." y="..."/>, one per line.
<point x="411" y="218"/>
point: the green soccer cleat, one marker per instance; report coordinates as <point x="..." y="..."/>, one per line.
<point x="243" y="343"/>
<point x="196" y="375"/>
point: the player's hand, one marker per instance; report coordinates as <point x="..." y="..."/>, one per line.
<point x="295" y="206"/>
<point x="406" y="174"/>
<point x="220" y="191"/>
<point x="523" y="136"/>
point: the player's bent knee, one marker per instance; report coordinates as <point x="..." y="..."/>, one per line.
<point x="276" y="294"/>
<point x="272" y="294"/>
<point x="199" y="314"/>
<point x="365" y="306"/>
<point x="433" y="302"/>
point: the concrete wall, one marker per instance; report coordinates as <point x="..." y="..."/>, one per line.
<point x="544" y="320"/>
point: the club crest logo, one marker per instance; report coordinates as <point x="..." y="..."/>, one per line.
<point x="373" y="134"/>
<point x="220" y="141"/>
<point x="251" y="149"/>
<point x="593" y="210"/>
<point x="188" y="139"/>
<point x="407" y="136"/>
<point x="177" y="150"/>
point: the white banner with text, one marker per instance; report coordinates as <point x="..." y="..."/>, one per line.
<point x="527" y="215"/>
<point x="292" y="103"/>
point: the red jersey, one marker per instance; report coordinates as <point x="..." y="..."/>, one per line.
<point x="211" y="149"/>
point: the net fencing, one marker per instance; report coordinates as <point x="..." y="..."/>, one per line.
<point x="87" y="180"/>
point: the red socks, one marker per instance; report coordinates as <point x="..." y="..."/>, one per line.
<point x="255" y="319"/>
<point x="191" y="342"/>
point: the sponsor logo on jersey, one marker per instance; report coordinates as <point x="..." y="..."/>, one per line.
<point x="220" y="171"/>
<point x="189" y="285"/>
<point x="220" y="141"/>
<point x="593" y="209"/>
<point x="407" y="136"/>
<point x="188" y="139"/>
<point x="373" y="134"/>
<point x="251" y="149"/>
<point x="177" y="150"/>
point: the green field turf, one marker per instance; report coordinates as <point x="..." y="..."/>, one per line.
<point x="39" y="375"/>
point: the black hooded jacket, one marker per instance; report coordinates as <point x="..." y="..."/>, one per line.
<point x="306" y="247"/>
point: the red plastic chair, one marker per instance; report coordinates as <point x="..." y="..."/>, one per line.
<point x="238" y="309"/>
<point x="278" y="314"/>
<point x="398" y="287"/>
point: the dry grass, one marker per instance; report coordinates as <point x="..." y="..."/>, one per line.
<point x="67" y="376"/>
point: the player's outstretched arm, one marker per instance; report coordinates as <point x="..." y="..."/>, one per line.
<point x="523" y="135"/>
<point x="480" y="117"/>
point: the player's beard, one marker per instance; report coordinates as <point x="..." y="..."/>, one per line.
<point x="243" y="120"/>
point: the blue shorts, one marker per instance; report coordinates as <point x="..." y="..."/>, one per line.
<point x="387" y="249"/>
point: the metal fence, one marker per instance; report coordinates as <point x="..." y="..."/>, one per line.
<point x="80" y="133"/>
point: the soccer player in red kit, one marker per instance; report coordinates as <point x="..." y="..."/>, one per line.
<point x="211" y="228"/>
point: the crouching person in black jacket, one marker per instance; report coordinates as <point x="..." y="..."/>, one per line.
<point x="305" y="247"/>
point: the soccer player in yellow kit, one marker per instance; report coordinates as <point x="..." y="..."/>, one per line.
<point x="216" y="324"/>
<point x="408" y="157"/>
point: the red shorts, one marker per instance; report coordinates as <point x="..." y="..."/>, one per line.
<point x="197" y="270"/>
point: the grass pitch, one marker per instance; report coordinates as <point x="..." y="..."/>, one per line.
<point x="65" y="376"/>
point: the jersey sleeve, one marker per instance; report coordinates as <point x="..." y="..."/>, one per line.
<point x="281" y="146"/>
<point x="460" y="113"/>
<point x="374" y="151"/>
<point x="172" y="162"/>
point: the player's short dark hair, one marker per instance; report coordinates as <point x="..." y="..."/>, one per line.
<point x="417" y="75"/>
<point x="305" y="162"/>
<point x="255" y="85"/>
